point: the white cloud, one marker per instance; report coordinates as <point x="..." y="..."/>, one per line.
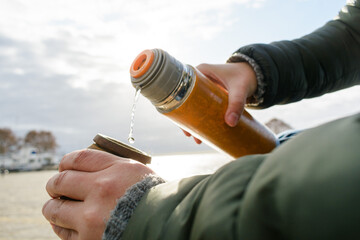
<point x="97" y="39"/>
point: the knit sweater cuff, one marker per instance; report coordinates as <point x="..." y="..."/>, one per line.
<point x="126" y="205"/>
<point x="257" y="98"/>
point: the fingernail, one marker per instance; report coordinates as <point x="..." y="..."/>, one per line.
<point x="232" y="119"/>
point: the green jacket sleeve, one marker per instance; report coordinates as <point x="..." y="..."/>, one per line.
<point x="324" y="61"/>
<point x="201" y="207"/>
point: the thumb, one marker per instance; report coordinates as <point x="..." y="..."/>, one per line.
<point x="237" y="100"/>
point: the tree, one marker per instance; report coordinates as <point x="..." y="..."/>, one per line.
<point x="7" y="140"/>
<point x="44" y="141"/>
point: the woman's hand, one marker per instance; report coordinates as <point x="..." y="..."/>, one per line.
<point x="239" y="80"/>
<point x="93" y="180"/>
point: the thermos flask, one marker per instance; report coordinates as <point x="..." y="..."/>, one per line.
<point x="197" y="104"/>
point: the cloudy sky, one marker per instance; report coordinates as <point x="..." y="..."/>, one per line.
<point x="64" y="63"/>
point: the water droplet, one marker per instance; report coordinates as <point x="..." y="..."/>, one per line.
<point x="131" y="138"/>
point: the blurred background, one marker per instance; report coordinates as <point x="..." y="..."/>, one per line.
<point x="64" y="65"/>
<point x="64" y="77"/>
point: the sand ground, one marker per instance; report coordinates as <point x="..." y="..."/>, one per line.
<point x="21" y="198"/>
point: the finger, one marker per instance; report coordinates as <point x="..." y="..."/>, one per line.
<point x="237" y="99"/>
<point x="198" y="141"/>
<point x="70" y="183"/>
<point x="186" y="133"/>
<point x="63" y="213"/>
<point x="88" y="160"/>
<point x="64" y="233"/>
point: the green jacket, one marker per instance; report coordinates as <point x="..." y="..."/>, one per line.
<point x="308" y="188"/>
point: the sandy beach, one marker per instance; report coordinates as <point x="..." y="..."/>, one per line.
<point x="22" y="195"/>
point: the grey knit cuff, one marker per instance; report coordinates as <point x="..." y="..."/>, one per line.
<point x="126" y="205"/>
<point x="257" y="98"/>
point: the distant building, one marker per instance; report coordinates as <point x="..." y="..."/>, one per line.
<point x="278" y="126"/>
<point x="27" y="159"/>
